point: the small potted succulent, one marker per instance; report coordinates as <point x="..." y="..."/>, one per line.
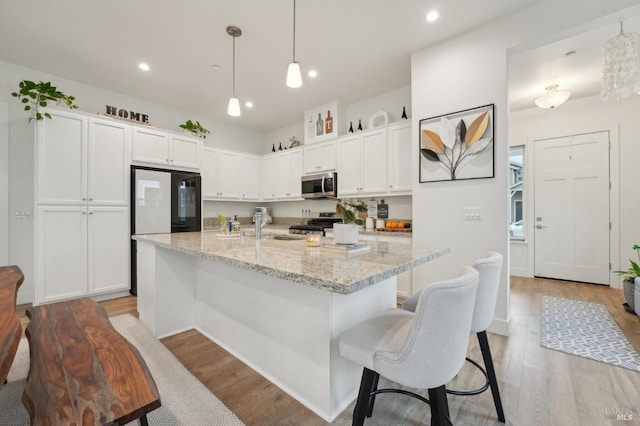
<point x="631" y="283"/>
<point x="347" y="231"/>
<point x="38" y="95"/>
<point x="195" y="128"/>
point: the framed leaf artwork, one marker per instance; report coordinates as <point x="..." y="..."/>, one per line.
<point x="457" y="146"/>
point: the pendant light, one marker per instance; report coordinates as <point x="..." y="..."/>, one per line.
<point x="621" y="66"/>
<point x="234" y="104"/>
<point x="553" y="98"/>
<point x="294" y="77"/>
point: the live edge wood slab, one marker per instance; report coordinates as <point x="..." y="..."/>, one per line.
<point x="82" y="371"/>
<point x="11" y="278"/>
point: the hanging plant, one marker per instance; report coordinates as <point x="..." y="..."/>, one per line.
<point x="37" y="95"/>
<point x="195" y="128"/>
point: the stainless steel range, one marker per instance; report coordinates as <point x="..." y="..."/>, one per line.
<point x="316" y="225"/>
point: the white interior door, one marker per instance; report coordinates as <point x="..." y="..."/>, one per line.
<point x="572" y="208"/>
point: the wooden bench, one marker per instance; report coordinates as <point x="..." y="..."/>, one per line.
<point x="82" y="370"/>
<point x="11" y="278"/>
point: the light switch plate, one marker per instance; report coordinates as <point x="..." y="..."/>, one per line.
<point x="473" y="213"/>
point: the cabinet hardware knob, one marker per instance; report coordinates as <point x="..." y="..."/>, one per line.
<point x="90" y="199"/>
<point x="167" y="160"/>
<point x="84" y="199"/>
<point x="90" y="212"/>
<point x="84" y="212"/>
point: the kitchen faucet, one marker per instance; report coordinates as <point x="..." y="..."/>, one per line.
<point x="260" y="218"/>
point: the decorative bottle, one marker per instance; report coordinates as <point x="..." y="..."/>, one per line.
<point x="328" y="123"/>
<point x="319" y="126"/>
<point x="351" y="127"/>
<point x="404" y="113"/>
<point x="280" y="147"/>
<point x="359" y="125"/>
<point x="273" y="148"/>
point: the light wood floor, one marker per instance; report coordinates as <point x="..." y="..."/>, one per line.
<point x="538" y="386"/>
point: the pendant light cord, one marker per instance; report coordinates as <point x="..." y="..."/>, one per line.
<point x="294" y="30"/>
<point x="234" y="67"/>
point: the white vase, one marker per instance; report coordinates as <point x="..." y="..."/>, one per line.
<point x="345" y="233"/>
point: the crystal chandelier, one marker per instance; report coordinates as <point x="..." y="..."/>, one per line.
<point x="621" y="66"/>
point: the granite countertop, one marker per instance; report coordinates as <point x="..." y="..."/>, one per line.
<point x="292" y="260"/>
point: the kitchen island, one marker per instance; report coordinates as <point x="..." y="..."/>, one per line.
<point x="278" y="306"/>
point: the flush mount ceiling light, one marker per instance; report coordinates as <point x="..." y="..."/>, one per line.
<point x="234" y="104"/>
<point x="294" y="77"/>
<point x="432" y="16"/>
<point x="621" y="66"/>
<point x="553" y="98"/>
<point x="143" y="66"/>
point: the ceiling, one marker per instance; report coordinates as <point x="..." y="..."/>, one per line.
<point x="580" y="73"/>
<point x="360" y="49"/>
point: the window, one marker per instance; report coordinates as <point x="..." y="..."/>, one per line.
<point x="516" y="190"/>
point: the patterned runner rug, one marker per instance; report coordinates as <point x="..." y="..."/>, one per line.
<point x="587" y="330"/>
<point x="185" y="401"/>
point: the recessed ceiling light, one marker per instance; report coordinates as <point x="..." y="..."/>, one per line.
<point x="143" y="66"/>
<point x="312" y="73"/>
<point x="248" y="104"/>
<point x="432" y="16"/>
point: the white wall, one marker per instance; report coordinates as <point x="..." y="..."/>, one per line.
<point x="462" y="73"/>
<point x="94" y="99"/>
<point x="391" y="102"/>
<point x="583" y="116"/>
<point x="4" y="183"/>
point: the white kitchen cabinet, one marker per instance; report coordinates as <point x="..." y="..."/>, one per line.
<point x="229" y="175"/>
<point x="107" y="249"/>
<point x="82" y="161"/>
<point x="61" y="253"/>
<point x="61" y="159"/>
<point x="209" y="173"/>
<point x="362" y="163"/>
<point x="185" y="152"/>
<point x="109" y="157"/>
<point x="400" y="149"/>
<point x="288" y="171"/>
<point x="268" y="177"/>
<point x="81" y="251"/>
<point x="249" y="174"/>
<point x="320" y="158"/>
<point x="154" y="147"/>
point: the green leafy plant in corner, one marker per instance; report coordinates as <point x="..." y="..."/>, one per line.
<point x="36" y="95"/>
<point x="195" y="128"/>
<point x="349" y="210"/>
<point x="634" y="269"/>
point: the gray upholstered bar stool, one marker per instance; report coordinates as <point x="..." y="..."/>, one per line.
<point x="423" y="350"/>
<point x="489" y="269"/>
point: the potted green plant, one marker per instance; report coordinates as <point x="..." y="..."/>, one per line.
<point x="195" y="128"/>
<point x="347" y="231"/>
<point x="37" y="95"/>
<point x="631" y="283"/>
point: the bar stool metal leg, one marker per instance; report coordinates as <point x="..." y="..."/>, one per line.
<point x="439" y="407"/>
<point x="364" y="395"/>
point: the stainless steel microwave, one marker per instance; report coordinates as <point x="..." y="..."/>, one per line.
<point x="320" y="186"/>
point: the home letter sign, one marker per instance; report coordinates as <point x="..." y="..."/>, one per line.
<point x="127" y="115"/>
